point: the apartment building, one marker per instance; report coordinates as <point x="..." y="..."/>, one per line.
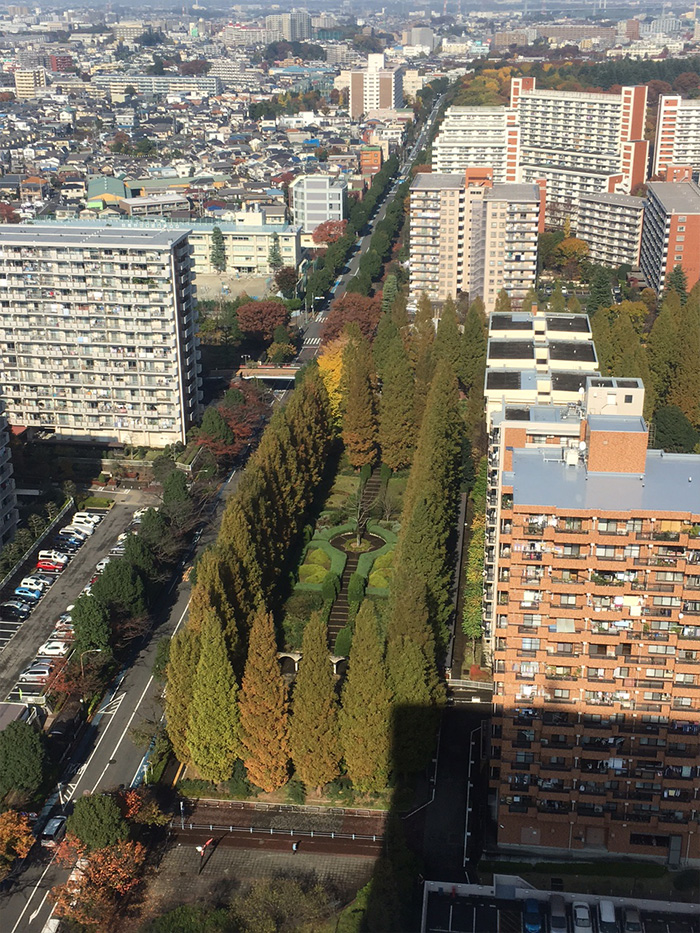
<point x="9" y="515"/>
<point x="580" y="142"/>
<point x="611" y="224"/>
<point x="478" y="136"/>
<point x="377" y="87"/>
<point x="97" y="332"/>
<point x="314" y="199"/>
<point x="29" y="82"/>
<point x="677" y="140"/>
<point x="116" y="85"/>
<point x="671" y="232"/>
<point x="294" y="27"/>
<point x="593" y="572"/>
<point x="535" y="360"/>
<point x="467" y="235"/>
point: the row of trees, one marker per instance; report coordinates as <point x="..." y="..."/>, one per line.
<point x="244" y="571"/>
<point x="380" y="244"/>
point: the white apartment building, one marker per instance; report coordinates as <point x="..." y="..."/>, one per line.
<point x="578" y="143"/>
<point x="8" y="497"/>
<point x="472" y="238"/>
<point x="376" y="87"/>
<point x="476" y="137"/>
<point x="314" y="199"/>
<point x="294" y="27"/>
<point x="98" y="332"/>
<point x="29" y="82"/>
<point x="677" y="134"/>
<point x="611" y="225"/>
<point x="116" y="85"/>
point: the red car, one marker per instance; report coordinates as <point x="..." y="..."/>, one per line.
<point x="50" y="565"/>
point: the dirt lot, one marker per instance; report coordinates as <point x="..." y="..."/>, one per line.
<point x="212" y="285"/>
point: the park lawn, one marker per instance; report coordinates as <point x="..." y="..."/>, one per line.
<point x="343" y="488"/>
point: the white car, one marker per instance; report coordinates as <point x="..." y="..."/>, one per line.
<point x="101" y="564"/>
<point x="34" y="583"/>
<point x="86" y="518"/>
<point x="581" y="913"/>
<point x="53" y="649"/>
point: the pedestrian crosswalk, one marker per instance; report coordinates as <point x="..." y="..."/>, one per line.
<point x="312" y="342"/>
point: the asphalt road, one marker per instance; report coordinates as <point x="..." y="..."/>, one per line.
<point x="312" y="333"/>
<point x="106" y="757"/>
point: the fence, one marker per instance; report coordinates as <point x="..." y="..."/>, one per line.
<point x="252" y="830"/>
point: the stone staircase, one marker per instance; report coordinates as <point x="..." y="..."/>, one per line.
<point x="339" y="612"/>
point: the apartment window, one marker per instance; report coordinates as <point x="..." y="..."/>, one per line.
<point x="681" y="229"/>
<point x="572" y="524"/>
<point x="531" y="644"/>
<point x="673" y="601"/>
<point x="562" y="694"/>
<point x="682" y="220"/>
<point x="661" y="649"/>
<point x="628" y="401"/>
<point x="524" y="757"/>
<point x="685" y="678"/>
<point x="654" y="673"/>
<point x="669" y="576"/>
<point x="632" y="550"/>
<point x="634" y="524"/>
<point x="564" y="647"/>
<point x="604" y="551"/>
<point x="644" y="839"/>
<point x="606" y="524"/>
<point x="567" y="599"/>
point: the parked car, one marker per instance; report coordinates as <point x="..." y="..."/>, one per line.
<point x="53" y="832"/>
<point x="631" y="921"/>
<point x="607" y="921"/>
<point x="69" y="542"/>
<point x="87" y="518"/>
<point x="37" y="673"/>
<point x="85" y="528"/>
<point x="63" y="634"/>
<point x="51" y="566"/>
<point x="558" y="922"/>
<point x="59" y="557"/>
<point x="582" y="917"/>
<point x="53" y="649"/>
<point x="34" y="582"/>
<point x="101" y="564"/>
<point x="532" y="917"/>
<point x="118" y="551"/>
<point x="16" y="608"/>
<point x="46" y="579"/>
<point x="28" y="594"/>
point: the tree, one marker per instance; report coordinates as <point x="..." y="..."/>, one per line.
<point x="662" y="349"/>
<point x="673" y="431"/>
<point x="397" y="426"/>
<point x="677" y="281"/>
<point x="351" y="309"/>
<point x="120" y="589"/>
<point x="213" y="736"/>
<point x="92" y="896"/>
<point x="215" y="434"/>
<point x="473" y="356"/>
<point x="91" y="625"/>
<point x="264" y="709"/>
<point x="22" y="760"/>
<point x="16" y="839"/>
<point x="182" y="666"/>
<point x="685" y="390"/>
<point x="364" y="720"/>
<point x="97" y="821"/>
<point x="330" y="231"/>
<point x="314" y="720"/>
<point x="558" y="302"/>
<point x="359" y="417"/>
<point x="503" y="304"/>
<point x="286" y="280"/>
<point x="274" y="257"/>
<point x="599" y="295"/>
<point x="217" y="253"/>
<point x="421" y="347"/>
<point x="390" y="290"/>
<point x="569" y="254"/>
<point x="330" y="368"/>
<point x="447" y="340"/>
<point x="258" y="319"/>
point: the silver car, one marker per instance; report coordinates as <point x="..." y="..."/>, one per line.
<point x="581" y="913"/>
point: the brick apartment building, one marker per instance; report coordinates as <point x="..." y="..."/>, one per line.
<point x="592" y="610"/>
<point x="671" y="232"/>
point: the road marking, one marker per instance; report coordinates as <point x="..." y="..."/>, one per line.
<point x="38" y="910"/>
<point x="312" y="341"/>
<point x="136" y="708"/>
<point x="34" y="890"/>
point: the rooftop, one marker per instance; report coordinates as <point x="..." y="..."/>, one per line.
<point x="97" y="235"/>
<point x="615" y="200"/>
<point x="513" y="192"/>
<point x="540" y="478"/>
<point x="620" y="424"/>
<point x="678" y="197"/>
<point x="437" y="181"/>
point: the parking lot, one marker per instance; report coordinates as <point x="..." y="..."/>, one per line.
<point x="20" y="640"/>
<point x="453" y="913"/>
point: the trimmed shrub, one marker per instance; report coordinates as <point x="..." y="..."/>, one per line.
<point x="330" y="587"/>
<point x="296" y="792"/>
<point x="343" y="641"/>
<point x="356" y="593"/>
<point x="312" y="573"/>
<point x="378" y="580"/>
<point x="317" y="556"/>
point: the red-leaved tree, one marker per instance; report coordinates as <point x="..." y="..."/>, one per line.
<point x="352" y="309"/>
<point x="329" y="231"/>
<point x="259" y="319"/>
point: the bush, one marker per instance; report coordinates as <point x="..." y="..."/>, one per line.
<point x="378" y="580"/>
<point x="239" y="786"/>
<point x="687" y="880"/>
<point x="295" y="792"/>
<point x="384" y="561"/>
<point x="296" y="613"/>
<point x="317" y="556"/>
<point x="343" y="642"/>
<point x="330" y="587"/>
<point x="195" y="787"/>
<point x="312" y="573"/>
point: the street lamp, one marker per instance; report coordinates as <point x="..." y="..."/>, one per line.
<point x="89" y="651"/>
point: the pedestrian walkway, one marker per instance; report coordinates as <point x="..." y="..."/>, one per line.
<point x="339" y="612"/>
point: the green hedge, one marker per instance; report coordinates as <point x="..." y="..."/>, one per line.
<point x="364" y="564"/>
<point x="319" y="557"/>
<point x="325" y="534"/>
<point x="337" y="558"/>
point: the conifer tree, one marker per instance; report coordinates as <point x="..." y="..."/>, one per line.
<point x="364" y="715"/>
<point x="213" y="736"/>
<point x="473" y="356"/>
<point x="573" y="305"/>
<point x="416" y="697"/>
<point x="397" y="427"/>
<point x="390" y="290"/>
<point x="387" y="332"/>
<point x="408" y="615"/>
<point x="558" y="302"/>
<point x="677" y="281"/>
<point x="685" y="390"/>
<point x="217" y="255"/>
<point x="274" y="256"/>
<point x="448" y="344"/>
<point x="503" y="304"/>
<point x="182" y="666"/>
<point x="599" y="295"/>
<point x="209" y="593"/>
<point x="662" y="347"/>
<point x="263" y="709"/>
<point x="314" y="720"/>
<point x="530" y="298"/>
<point x="399" y="313"/>
<point x="360" y="415"/>
<point x="422" y="340"/>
